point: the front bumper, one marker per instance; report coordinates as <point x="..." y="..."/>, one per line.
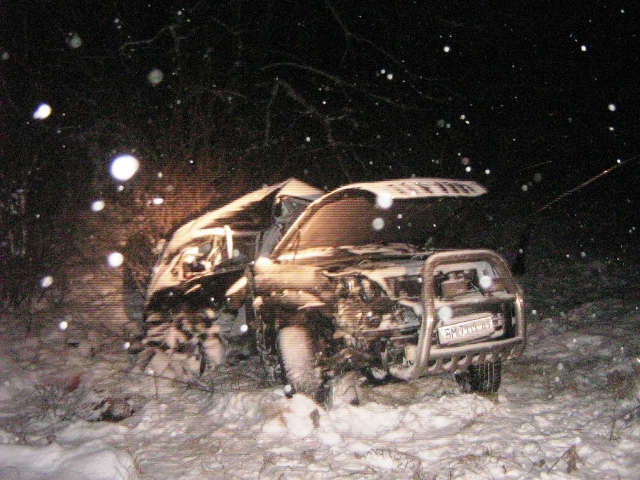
<point x="430" y="357"/>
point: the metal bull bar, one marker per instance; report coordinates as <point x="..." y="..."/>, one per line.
<point x="430" y="360"/>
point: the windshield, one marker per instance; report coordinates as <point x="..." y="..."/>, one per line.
<point x="355" y="219"/>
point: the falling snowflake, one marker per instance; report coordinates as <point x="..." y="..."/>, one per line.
<point x="115" y="259"/>
<point x="377" y="224"/>
<point x="155" y="76"/>
<point x="124" y="167"/>
<point x="42" y="112"/>
<point x="97" y="206"/>
<point x="384" y="200"/>
<point x="74" y="41"/>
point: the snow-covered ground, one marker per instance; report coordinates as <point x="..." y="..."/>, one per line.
<point x="70" y="408"/>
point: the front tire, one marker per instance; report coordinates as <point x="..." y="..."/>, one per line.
<point x="482" y="378"/>
<point x="298" y="361"/>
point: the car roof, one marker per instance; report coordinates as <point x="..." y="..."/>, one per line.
<point x="251" y="212"/>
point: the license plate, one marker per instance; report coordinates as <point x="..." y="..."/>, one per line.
<point x="465" y="331"/>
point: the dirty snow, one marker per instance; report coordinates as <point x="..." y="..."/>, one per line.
<point x="72" y="408"/>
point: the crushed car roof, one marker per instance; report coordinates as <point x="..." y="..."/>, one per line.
<point x="249" y="212"/>
<point x="252" y="212"/>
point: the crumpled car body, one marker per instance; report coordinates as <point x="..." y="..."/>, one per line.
<point x="229" y="233"/>
<point x="357" y="283"/>
<point x="359" y="280"/>
<point x="185" y="296"/>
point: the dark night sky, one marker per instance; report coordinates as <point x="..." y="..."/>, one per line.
<point x="518" y="88"/>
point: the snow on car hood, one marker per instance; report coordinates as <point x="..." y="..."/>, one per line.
<point x="252" y="212"/>
<point x="394" y="211"/>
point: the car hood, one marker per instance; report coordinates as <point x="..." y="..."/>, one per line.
<point x="406" y="211"/>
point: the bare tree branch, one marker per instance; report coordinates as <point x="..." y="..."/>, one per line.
<point x="338" y="81"/>
<point x="291" y="93"/>
<point x="398" y="63"/>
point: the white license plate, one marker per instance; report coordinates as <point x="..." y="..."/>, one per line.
<point x="465" y="331"/>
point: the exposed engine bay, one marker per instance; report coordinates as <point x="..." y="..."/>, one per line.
<point x="372" y="317"/>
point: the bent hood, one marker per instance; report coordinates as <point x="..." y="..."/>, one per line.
<point x="394" y="211"/>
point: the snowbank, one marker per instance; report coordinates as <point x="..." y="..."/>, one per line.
<point x="95" y="459"/>
<point x="567" y="409"/>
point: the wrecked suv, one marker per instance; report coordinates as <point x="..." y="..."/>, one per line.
<point x="358" y="283"/>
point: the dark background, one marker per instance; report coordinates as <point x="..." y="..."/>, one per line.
<point x="533" y="99"/>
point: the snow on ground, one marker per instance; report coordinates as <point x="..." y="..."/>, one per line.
<point x="569" y="408"/>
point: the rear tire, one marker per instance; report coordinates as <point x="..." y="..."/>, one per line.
<point x="483" y="378"/>
<point x="298" y="361"/>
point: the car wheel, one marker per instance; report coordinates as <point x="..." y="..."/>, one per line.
<point x="483" y="378"/>
<point x="298" y="361"/>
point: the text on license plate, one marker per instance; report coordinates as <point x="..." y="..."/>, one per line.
<point x="462" y="331"/>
